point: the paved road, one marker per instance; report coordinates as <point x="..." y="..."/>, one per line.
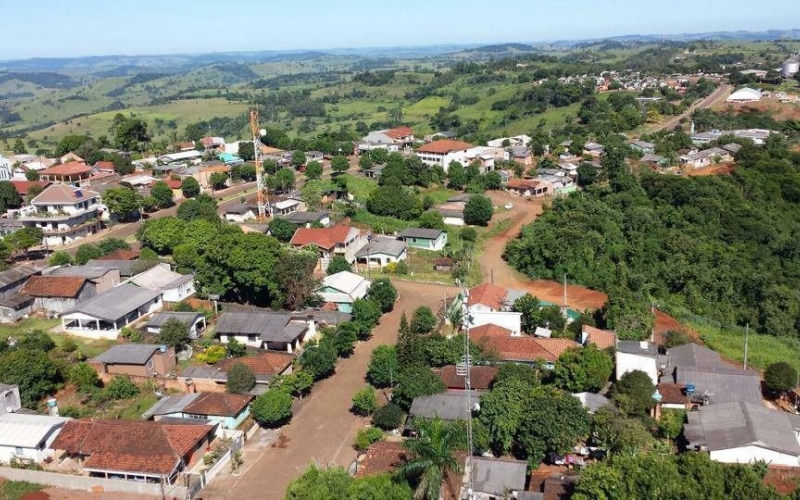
<point x="324" y="429"/>
<point x="722" y="91"/>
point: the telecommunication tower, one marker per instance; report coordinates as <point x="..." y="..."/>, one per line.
<point x="262" y="200"/>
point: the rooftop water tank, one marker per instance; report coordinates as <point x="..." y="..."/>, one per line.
<point x="690" y="389"/>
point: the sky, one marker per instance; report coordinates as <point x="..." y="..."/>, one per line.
<point x="139" y="27"/>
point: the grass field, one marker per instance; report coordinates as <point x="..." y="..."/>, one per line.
<point x="17" y="490"/>
<point x="28" y="325"/>
<point x="762" y="349"/>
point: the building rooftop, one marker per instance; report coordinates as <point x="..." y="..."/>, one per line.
<point x="17" y="274"/>
<point x="127" y="268"/>
<point x="346" y="282"/>
<point x="264" y="364"/>
<point x="497" y="477"/>
<point x="158" y="319"/>
<point x="160" y="278"/>
<point x="418" y="232"/>
<point x="127" y="354"/>
<point x="489" y="295"/>
<point x="603" y="339"/>
<point x="88" y="272"/>
<point x="481" y="377"/>
<point x="444" y="146"/>
<point x="592" y="402"/>
<point x="24" y="430"/>
<point x="271" y="326"/>
<point x="383" y="245"/>
<point x="63" y="194"/>
<point x="117" y="302"/>
<point x="170" y="404"/>
<point x="305" y="217"/>
<point x="69" y="168"/>
<point x="218" y="404"/>
<point x="324" y="237"/>
<point x="449" y="405"/>
<point x="640" y="348"/>
<point x="53" y="286"/>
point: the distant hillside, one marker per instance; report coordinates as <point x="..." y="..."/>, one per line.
<point x="769" y="35"/>
<point x="46" y="79"/>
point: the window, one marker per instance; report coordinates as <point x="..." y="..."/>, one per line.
<point x="150" y="364"/>
<point x="19" y="451"/>
<point x="251" y="338"/>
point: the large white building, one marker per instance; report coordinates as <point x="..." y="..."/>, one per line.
<point x="745" y="94"/>
<point x="27" y="437"/>
<point x="441" y="153"/>
<point x="64" y="213"/>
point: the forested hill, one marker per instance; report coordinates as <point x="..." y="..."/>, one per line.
<point x="724" y="247"/>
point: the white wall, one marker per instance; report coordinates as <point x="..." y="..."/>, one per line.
<point x="629" y="362"/>
<point x="509" y="320"/>
<point x="179" y="293"/>
<point x="749" y="454"/>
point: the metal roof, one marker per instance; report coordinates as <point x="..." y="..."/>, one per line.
<point x="591" y="401"/>
<point x="127" y="354"/>
<point x="721" y="384"/>
<point x="449" y="405"/>
<point x="127" y="268"/>
<point x="170" y="404"/>
<point x="636" y="347"/>
<point x="348" y="283"/>
<point x="418" y="232"/>
<point x="160" y="278"/>
<point x="383" y="245"/>
<point x="693" y="355"/>
<point x="159" y="318"/>
<point x="498" y="477"/>
<point x="22" y="430"/>
<point x="305" y="217"/>
<point x="271" y="326"/>
<point x="17" y="274"/>
<point x="117" y="302"/>
<point x="88" y="272"/>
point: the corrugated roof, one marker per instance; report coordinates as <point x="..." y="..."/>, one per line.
<point x="723" y="385"/>
<point x="305" y="217"/>
<point x="449" y="405"/>
<point x="27" y="431"/>
<point x="271" y="326"/>
<point x="159" y="318"/>
<point x="53" y="286"/>
<point x="127" y="268"/>
<point x="418" y="232"/>
<point x="160" y="278"/>
<point x="127" y="354"/>
<point x="88" y="272"/>
<point x="17" y="274"/>
<point x="170" y="405"/>
<point x="117" y="302"/>
<point x="347" y="282"/>
<point x="383" y="245"/>
<point x="498" y="477"/>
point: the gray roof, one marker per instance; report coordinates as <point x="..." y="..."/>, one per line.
<point x="459" y="197"/>
<point x="636" y="347"/>
<point x="643" y="144"/>
<point x="188" y="318"/>
<point x="88" y="272"/>
<point x="117" y="302"/>
<point x="239" y="208"/>
<point x="732" y="147"/>
<point x="272" y="326"/>
<point x="204" y="372"/>
<point x="449" y="405"/>
<point x="127" y="268"/>
<point x="693" y="355"/>
<point x="383" y="245"/>
<point x="447" y="212"/>
<point x="261" y="228"/>
<point x="127" y="354"/>
<point x="325" y="317"/>
<point x="170" y="404"/>
<point x="418" y="232"/>
<point x="722" y="384"/>
<point x="738" y="424"/>
<point x="498" y="477"/>
<point x="305" y="217"/>
<point x="17" y="274"/>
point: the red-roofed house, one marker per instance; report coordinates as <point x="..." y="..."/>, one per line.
<point x="603" y="339"/>
<point x="104" y="166"/>
<point x="520" y="349"/>
<point x="24" y="187"/>
<point x="481" y="377"/>
<point x="392" y="139"/>
<point x="529" y="187"/>
<point x="330" y="241"/>
<point x="441" y="153"/>
<point x="153" y="452"/>
<point x="486" y="304"/>
<point x="58" y="294"/>
<point x="75" y="173"/>
<point x="65" y="213"/>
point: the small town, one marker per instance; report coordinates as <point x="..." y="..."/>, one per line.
<point x="438" y="269"/>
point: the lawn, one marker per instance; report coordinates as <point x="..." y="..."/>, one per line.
<point x="28" y="325"/>
<point x="135" y="407"/>
<point x="762" y="350"/>
<point x="360" y="187"/>
<point x="16" y="490"/>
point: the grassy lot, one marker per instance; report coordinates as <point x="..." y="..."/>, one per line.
<point x="16" y="490"/>
<point x="360" y="187"/>
<point x="135" y="407"/>
<point x="28" y="325"/>
<point x="762" y="350"/>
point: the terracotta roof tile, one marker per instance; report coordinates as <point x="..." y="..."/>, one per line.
<point x="398" y="132"/>
<point x="53" y="286"/>
<point x="23" y="187"/>
<point x="63" y="193"/>
<point x="70" y="168"/>
<point x="121" y="254"/>
<point x="489" y="330"/>
<point x="382" y="457"/>
<point x="143" y="447"/>
<point x="104" y="165"/>
<point x="672" y="393"/>
<point x="267" y="363"/>
<point x="557" y="346"/>
<point x="174" y="183"/>
<point x="603" y="339"/>
<point x="522" y="183"/>
<point x="323" y="237"/>
<point x="481" y="377"/>
<point x="219" y="404"/>
<point x="444" y="146"/>
<point x="488" y="295"/>
<point x="525" y="348"/>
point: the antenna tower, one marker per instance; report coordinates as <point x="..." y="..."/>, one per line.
<point x="261" y="195"/>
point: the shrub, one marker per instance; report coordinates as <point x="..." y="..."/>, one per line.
<point x="130" y="334"/>
<point x="780" y="377"/>
<point x="364" y="401"/>
<point x="401" y="268"/>
<point x="213" y="354"/>
<point x="272" y="409"/>
<point x="69" y="345"/>
<point x="235" y="349"/>
<point x="240" y="379"/>
<point x="60" y="258"/>
<point x="388" y="417"/>
<point x="366" y="436"/>
<point x="121" y="388"/>
<point x="83" y="376"/>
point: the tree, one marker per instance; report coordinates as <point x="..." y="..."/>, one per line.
<point x="502" y="411"/>
<point x="514" y="371"/>
<point x="365" y="162"/>
<point x="313" y="170"/>
<point x="283" y="180"/>
<point x="203" y="206"/>
<point x="332" y="483"/>
<point x="339" y="164"/>
<point x="410" y="346"/>
<point x="431" y="220"/>
<point x="32" y="175"/>
<point x="294" y="272"/>
<point x="9" y="197"/>
<point x="272" y="409"/>
<point x="345" y="338"/>
<point x="282" y="229"/>
<point x="298" y="383"/>
<point x="122" y="202"/>
<point x="190" y="187"/>
<point x="670" y="425"/>
<point x="319" y="360"/>
<point x="241" y="379"/>
<point x="174" y="333"/>
<point x="628" y="314"/>
<point x="246" y="151"/>
<point x="584" y="369"/>
<point x="587" y="174"/>
<point x="218" y="180"/>
<point x="388" y="417"/>
<point x="366" y="313"/>
<point x="619" y="434"/>
<point x="162" y="194"/>
<point x="33" y="371"/>
<point x="394" y="201"/>
<point x="245" y="172"/>
<point x="269" y="166"/>
<point x="23" y="239"/>
<point x="432" y="453"/>
<point x="87" y="252"/>
<point x="338" y="264"/>
<point x="108" y="245"/>
<point x="528" y="306"/>
<point x="379" y="487"/>
<point x="423" y="321"/>
<point x="382" y="369"/>
<point x="235" y="349"/>
<point x="129" y="133"/>
<point x="121" y="387"/>
<point x="492" y="180"/>
<point x="384" y="293"/>
<point x="60" y="258"/>
<point x="364" y="401"/>
<point x="780" y="377"/>
<point x="415" y="381"/>
<point x="84" y="377"/>
<point x="456" y="176"/>
<point x="633" y="393"/>
<point x="19" y="147"/>
<point x="478" y="210"/>
<point x="298" y="159"/>
<point x="37" y="340"/>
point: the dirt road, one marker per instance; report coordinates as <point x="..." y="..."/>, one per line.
<point x="324" y="429"/>
<point x="722" y="92"/>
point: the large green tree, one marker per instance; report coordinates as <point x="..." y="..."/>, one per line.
<point x="272" y="409"/>
<point x="584" y="369"/>
<point x="123" y="202"/>
<point x="478" y="210"/>
<point x="382" y="370"/>
<point x="634" y="392"/>
<point x="415" y="381"/>
<point x="9" y="197"/>
<point x="162" y="194"/>
<point x="190" y="187"/>
<point x="432" y="453"/>
<point x="33" y="371"/>
<point x="174" y="333"/>
<point x="241" y="379"/>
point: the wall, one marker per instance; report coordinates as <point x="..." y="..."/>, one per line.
<point x="749" y="454"/>
<point x="84" y="483"/>
<point x="628" y="362"/>
<point x="509" y="320"/>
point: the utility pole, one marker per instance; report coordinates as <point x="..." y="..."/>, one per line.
<point x="746" y="335"/>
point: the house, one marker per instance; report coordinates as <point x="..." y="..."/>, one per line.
<point x="745" y="94"/>
<point x="654" y="160"/>
<point x="441" y="153"/>
<point x="58" y="294"/>
<point x="528" y="187"/>
<point x="194" y="320"/>
<point x="633" y="355"/>
<point x="603" y="339"/>
<point x="745" y="433"/>
<point x="265" y="365"/>
<point x="145" y="451"/>
<point x="317" y="156"/>
<point x="213" y="143"/>
<point x="497" y="478"/>
<point x="592" y="402"/>
<point x="732" y="148"/>
<point x="24" y="187"/>
<point x="381" y="458"/>
<point x="64" y="213"/>
<point x="700" y="159"/>
<point x="27" y="438"/>
<point x="449" y="405"/>
<point x="498" y="342"/>
<point x="381" y="251"/>
<point x="126" y="268"/>
<point x="135" y="360"/>
<point x="174" y="287"/>
<point x="229" y="410"/>
<point x="104" y="278"/>
<point x="9" y="399"/>
<point x="444" y="264"/>
<point x="643" y="147"/>
<point x="272" y="330"/>
<point x="489" y="304"/>
<point x="392" y="139"/>
<point x="104" y="315"/>
<point x="182" y="156"/>
<point x="343" y="288"/>
<point x="287" y="204"/>
<point x="71" y="156"/>
<point x="515" y="141"/>
<point x="6" y="167"/>
<point x="374" y="172"/>
<point x="452" y="214"/>
<point x="239" y="212"/>
<point x="593" y="149"/>
<point x="308" y="219"/>
<point x="425" y="239"/>
<point x="519" y="154"/>
<point x="331" y="241"/>
<point x="14" y="306"/>
<point x="71" y="173"/>
<point x="481" y="377"/>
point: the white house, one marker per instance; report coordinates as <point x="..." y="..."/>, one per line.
<point x="64" y="213"/>
<point x="632" y="355"/>
<point x="515" y="141"/>
<point x="103" y="316"/>
<point x="194" y="320"/>
<point x="425" y="239"/>
<point x="744" y="433"/>
<point x="487" y="305"/>
<point x="392" y="139"/>
<point x="272" y="330"/>
<point x="381" y="251"/>
<point x="27" y="437"/>
<point x="240" y="213"/>
<point x="343" y="288"/>
<point x="441" y="153"/>
<point x="331" y="241"/>
<point x="174" y="287"/>
<point x="9" y="399"/>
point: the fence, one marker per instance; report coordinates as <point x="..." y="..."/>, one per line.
<point x="85" y="483"/>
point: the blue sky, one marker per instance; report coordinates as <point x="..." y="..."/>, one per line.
<point x="100" y="27"/>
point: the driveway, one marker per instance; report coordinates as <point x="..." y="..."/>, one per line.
<point x="323" y="430"/>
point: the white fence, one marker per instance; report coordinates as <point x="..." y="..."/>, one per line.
<point x="85" y="483"/>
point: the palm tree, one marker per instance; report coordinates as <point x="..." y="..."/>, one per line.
<point x="432" y="456"/>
